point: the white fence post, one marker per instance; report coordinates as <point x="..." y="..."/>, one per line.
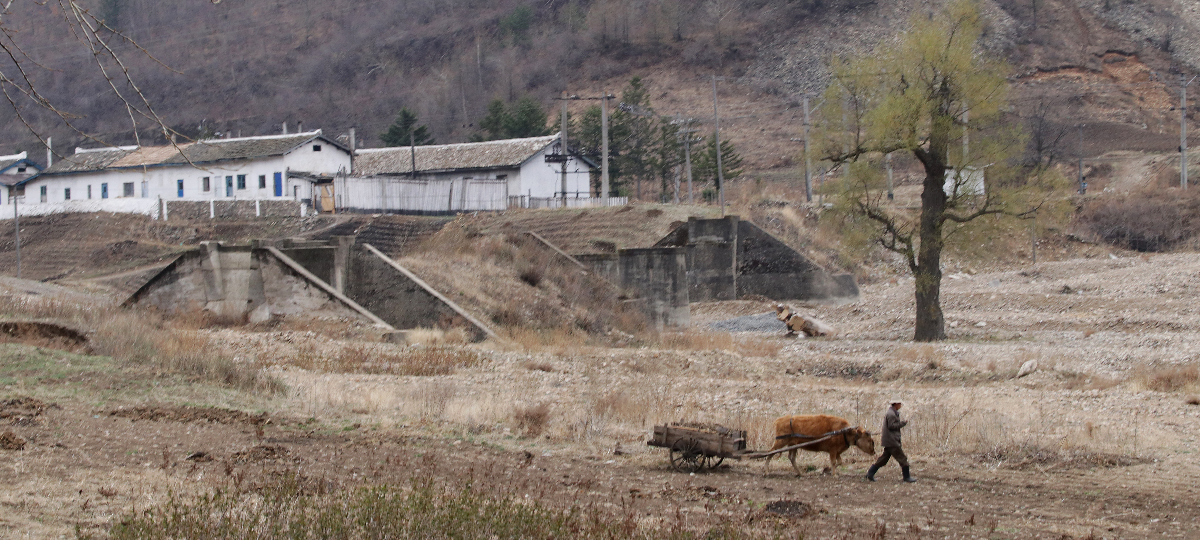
<point x="212" y="211"/>
<point x="257" y="209"/>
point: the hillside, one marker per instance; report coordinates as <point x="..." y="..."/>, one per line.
<point x="245" y="67"/>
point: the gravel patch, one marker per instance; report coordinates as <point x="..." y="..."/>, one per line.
<point x="763" y="322"/>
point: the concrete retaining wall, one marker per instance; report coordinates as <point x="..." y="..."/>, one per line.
<point x="231" y="209"/>
<point x="381" y="285"/>
<point x="729" y="258"/>
<point x="658" y="275"/>
<point x="238" y="283"/>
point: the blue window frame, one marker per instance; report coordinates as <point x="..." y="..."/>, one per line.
<point x="241" y="181"/>
<point x="104" y="190"/>
<point x="179" y="187"/>
<point x="228" y="186"/>
<point x="278" y="184"/>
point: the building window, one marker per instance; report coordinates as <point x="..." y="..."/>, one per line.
<point x="262" y="181"/>
<point x="241" y="181"/>
<point x="89" y="191"/>
<point x="67" y="194"/>
<point x="44" y="196"/>
<point x="228" y="186"/>
<point x="104" y="190"/>
<point x="20" y="169"/>
<point x="316" y="148"/>
<point x="128" y="189"/>
<point x="179" y="187"/>
<point x="207" y="184"/>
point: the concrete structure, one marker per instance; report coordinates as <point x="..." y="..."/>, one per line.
<point x="256" y="282"/>
<point x="729" y="259"/>
<point x="656" y="278"/>
<point x="446" y="178"/>
<point x="274" y="167"/>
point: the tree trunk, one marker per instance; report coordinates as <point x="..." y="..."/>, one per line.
<point x="930" y="325"/>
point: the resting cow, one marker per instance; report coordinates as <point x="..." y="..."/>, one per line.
<point x="790" y="430"/>
<point x="796" y="322"/>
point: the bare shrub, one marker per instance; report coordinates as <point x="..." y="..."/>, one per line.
<point x="1150" y="220"/>
<point x="1074" y="380"/>
<point x="1168" y="378"/>
<point x="532" y="419"/>
<point x="1193" y="400"/>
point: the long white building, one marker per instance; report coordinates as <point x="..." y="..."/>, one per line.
<point x="492" y="175"/>
<point x="135" y="178"/>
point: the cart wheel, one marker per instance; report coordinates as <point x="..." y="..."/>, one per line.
<point x="686" y="456"/>
<point x="714" y="461"/>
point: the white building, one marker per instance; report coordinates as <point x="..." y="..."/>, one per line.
<point x="489" y="175"/>
<point x="15" y="170"/>
<point x="134" y="179"/>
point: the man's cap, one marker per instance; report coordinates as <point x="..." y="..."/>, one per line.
<point x="895" y="400"/>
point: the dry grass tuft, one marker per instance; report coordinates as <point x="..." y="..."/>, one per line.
<point x="532" y="419"/>
<point x="697" y="341"/>
<point x="1074" y="380"/>
<point x="434" y="336"/>
<point x="1168" y="378"/>
<point x="419" y="361"/>
<point x="1193" y="400"/>
<point x="535" y="365"/>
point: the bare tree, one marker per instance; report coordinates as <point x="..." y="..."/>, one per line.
<point x="19" y="74"/>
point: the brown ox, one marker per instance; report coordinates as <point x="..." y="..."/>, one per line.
<point x="791" y="430"/>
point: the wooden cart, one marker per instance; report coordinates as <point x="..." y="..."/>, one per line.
<point x="694" y="447"/>
<point x="697" y="446"/>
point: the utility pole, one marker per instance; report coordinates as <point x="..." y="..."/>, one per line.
<point x="888" y="159"/>
<point x="1082" y="184"/>
<point x="562" y="140"/>
<point x="412" y="145"/>
<point x="604" y="146"/>
<point x="687" y="156"/>
<point x="717" y="140"/>
<point x="807" y="159"/>
<point x="966" y="137"/>
<point x="1183" y="172"/>
<point x="17" y="228"/>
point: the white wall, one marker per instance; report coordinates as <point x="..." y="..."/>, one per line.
<point x="162" y="181"/>
<point x="447" y="194"/>
<point x="540" y="179"/>
<point x="149" y="207"/>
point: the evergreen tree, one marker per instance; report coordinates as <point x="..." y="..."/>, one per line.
<point x="525" y="118"/>
<point x="704" y="162"/>
<point x="636" y="130"/>
<point x="404" y="131"/>
<point x="495" y="124"/>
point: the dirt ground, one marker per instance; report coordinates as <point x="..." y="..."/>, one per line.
<point x="1080" y="448"/>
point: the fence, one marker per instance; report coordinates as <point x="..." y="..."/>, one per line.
<point x="235" y="209"/>
<point x="522" y="201"/>
<point x="158" y="209"/>
<point x="149" y="207"/>
<point x="389" y="194"/>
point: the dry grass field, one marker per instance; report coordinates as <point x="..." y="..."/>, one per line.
<point x="1098" y="442"/>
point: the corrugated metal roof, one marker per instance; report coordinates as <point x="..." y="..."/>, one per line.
<point x="442" y="157"/>
<point x="207" y="151"/>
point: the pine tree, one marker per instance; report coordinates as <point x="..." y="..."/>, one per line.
<point x="525" y="118"/>
<point x="404" y="131"/>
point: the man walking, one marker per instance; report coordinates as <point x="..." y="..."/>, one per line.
<point x="890" y="434"/>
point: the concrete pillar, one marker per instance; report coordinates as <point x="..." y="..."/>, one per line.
<point x="341" y="261"/>
<point x="660" y="277"/>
